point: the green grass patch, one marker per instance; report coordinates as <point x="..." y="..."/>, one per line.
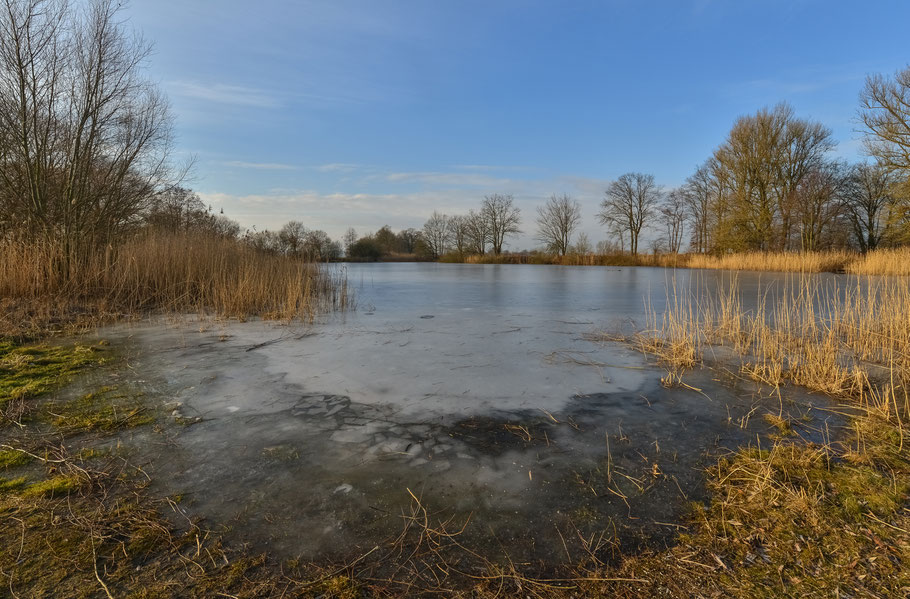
<point x="13" y="459"/>
<point x="107" y="409"/>
<point x="30" y="371"/>
<point x="12" y="484"/>
<point x="53" y="487"/>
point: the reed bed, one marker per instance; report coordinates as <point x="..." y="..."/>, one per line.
<point x="617" y="259"/>
<point x="882" y="262"/>
<point x="159" y="272"/>
<point x="891" y="261"/>
<point x="851" y="341"/>
<point x="831" y="261"/>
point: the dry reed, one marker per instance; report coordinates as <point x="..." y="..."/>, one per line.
<point x="174" y="273"/>
<point x="851" y="342"/>
<point x="879" y="262"/>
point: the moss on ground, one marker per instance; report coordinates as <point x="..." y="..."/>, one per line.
<point x="53" y="487"/>
<point x="107" y="409"/>
<point x="10" y="458"/>
<point x="12" y="484"/>
<point x="32" y="370"/>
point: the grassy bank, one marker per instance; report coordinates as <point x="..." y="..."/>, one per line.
<point x="879" y="262"/>
<point x="42" y="290"/>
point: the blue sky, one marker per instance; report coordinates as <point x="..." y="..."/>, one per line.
<point x="362" y="113"/>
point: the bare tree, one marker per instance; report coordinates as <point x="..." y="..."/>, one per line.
<point x="436" y="233"/>
<point x="556" y="221"/>
<point x="478" y="233"/>
<point x="317" y="245"/>
<point x="292" y="237"/>
<point x="870" y="204"/>
<point x="582" y="246"/>
<point x="86" y="138"/>
<point x="885" y="113"/>
<point x="607" y="246"/>
<point x="386" y="239"/>
<point x="502" y="219"/>
<point x="699" y="196"/>
<point x="673" y="214"/>
<point x="629" y="204"/>
<point x="264" y="241"/>
<point x="460" y="228"/>
<point x="175" y="209"/>
<point x="407" y="240"/>
<point x="763" y="161"/>
<point x="349" y="239"/>
<point x="818" y="203"/>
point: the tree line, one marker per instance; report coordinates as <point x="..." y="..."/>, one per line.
<point x="772" y="185"/>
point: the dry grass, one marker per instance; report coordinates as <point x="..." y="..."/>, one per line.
<point x="662" y="260"/>
<point x="879" y="262"/>
<point x="175" y="273"/>
<point x="833" y="261"/>
<point x="882" y="262"/>
<point x="797" y="519"/>
<point x="852" y="342"/>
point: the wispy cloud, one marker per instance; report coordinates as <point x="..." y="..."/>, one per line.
<point x="263" y="166"/>
<point x="489" y="167"/>
<point x="225" y="94"/>
<point x="447" y="179"/>
<point x="805" y="80"/>
<point x="337" y="167"/>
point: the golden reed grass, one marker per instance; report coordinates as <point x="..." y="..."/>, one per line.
<point x="879" y="262"/>
<point x="174" y="273"/>
<point x="850" y="341"/>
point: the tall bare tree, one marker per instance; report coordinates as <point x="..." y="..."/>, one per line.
<point x="764" y="160"/>
<point x="86" y="138"/>
<point x="502" y="218"/>
<point x="292" y="237"/>
<point x="349" y="239"/>
<point x="317" y="245"/>
<point x="630" y="202"/>
<point x="672" y="214"/>
<point x="436" y="233"/>
<point x="460" y="228"/>
<point x="478" y="232"/>
<point x="699" y="196"/>
<point x="556" y="221"/>
<point x="818" y="203"/>
<point x="885" y="113"/>
<point x="407" y="240"/>
<point x="871" y="205"/>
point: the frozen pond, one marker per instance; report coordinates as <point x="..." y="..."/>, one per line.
<point x="474" y="388"/>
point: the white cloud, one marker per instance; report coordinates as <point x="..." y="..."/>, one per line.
<point x="265" y="166"/>
<point x="225" y="94"/>
<point x="490" y="167"/>
<point x="448" y="179"/>
<point x="337" y="167"/>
